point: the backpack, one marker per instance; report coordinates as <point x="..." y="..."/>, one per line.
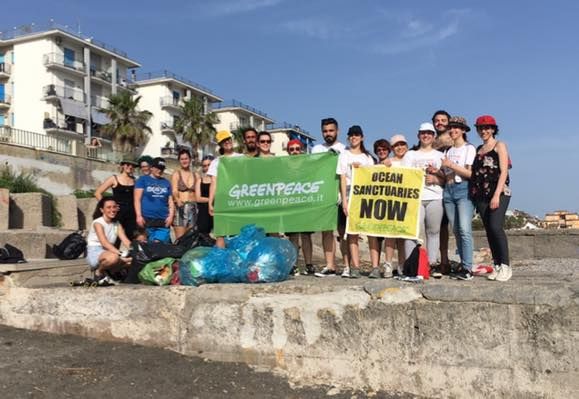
<point x="417" y="263"/>
<point x="11" y="254"/>
<point x="71" y="247"/>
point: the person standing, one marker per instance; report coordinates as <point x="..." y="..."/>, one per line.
<point x="250" y="141"/>
<point x="430" y="215"/>
<point x="202" y="185"/>
<point x="456" y="168"/>
<point x="443" y="142"/>
<point x="330" y="132"/>
<point x="355" y="156"/>
<point x="183" y="184"/>
<point x="123" y="187"/>
<point x="295" y="147"/>
<point x="490" y="191"/>
<point x="154" y="205"/>
<point x="224" y="139"/>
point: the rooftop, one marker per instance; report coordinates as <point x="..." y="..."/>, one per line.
<point x="290" y="126"/>
<point x="157" y="76"/>
<point x="234" y="104"/>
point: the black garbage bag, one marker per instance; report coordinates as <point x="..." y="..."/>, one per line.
<point x="193" y="238"/>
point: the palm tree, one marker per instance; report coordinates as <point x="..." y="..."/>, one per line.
<point x="194" y="125"/>
<point x="128" y="126"/>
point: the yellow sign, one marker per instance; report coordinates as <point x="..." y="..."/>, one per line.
<point x="385" y="201"/>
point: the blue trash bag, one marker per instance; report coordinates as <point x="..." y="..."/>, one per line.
<point x="247" y="239"/>
<point x="271" y="260"/>
<point x="203" y="265"/>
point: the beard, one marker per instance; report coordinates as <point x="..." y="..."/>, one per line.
<point x="330" y="139"/>
<point x="251" y="146"/>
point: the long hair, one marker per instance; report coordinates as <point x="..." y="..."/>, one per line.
<point x="100" y="205"/>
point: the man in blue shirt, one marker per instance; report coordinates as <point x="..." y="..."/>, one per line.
<point x="154" y="206"/>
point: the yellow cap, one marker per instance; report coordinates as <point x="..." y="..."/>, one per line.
<point x="223" y="135"/>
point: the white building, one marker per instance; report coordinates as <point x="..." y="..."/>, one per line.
<point x="163" y="93"/>
<point x="282" y="133"/>
<point x="53" y="81"/>
<point x="237" y="115"/>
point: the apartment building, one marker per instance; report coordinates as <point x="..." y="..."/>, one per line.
<point x="561" y="220"/>
<point x="283" y="132"/>
<point x="235" y="115"/>
<point x="163" y="94"/>
<point x="53" y="81"/>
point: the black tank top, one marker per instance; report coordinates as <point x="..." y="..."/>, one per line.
<point x="485" y="175"/>
<point x="123" y="194"/>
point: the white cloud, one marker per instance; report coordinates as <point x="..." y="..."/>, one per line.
<point x="230" y="7"/>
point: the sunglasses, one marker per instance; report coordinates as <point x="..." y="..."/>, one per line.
<point x="264" y="141"/>
<point x="292" y="149"/>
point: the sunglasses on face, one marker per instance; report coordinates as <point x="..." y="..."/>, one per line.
<point x="294" y="149"/>
<point x="264" y="141"/>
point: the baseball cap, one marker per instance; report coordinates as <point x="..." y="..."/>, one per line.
<point x="397" y="138"/>
<point x="158" y="163"/>
<point x="426" y="127"/>
<point x="355" y="130"/>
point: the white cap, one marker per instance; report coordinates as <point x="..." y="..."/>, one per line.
<point x="426" y="127"/>
<point x="397" y="138"/>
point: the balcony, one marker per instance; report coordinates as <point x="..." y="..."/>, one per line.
<point x="5" y="70"/>
<point x="62" y="125"/>
<point x="54" y="92"/>
<point x="169" y="152"/>
<point x="5" y="101"/>
<point x="171" y="104"/>
<point x="100" y="76"/>
<point x="59" y="62"/>
<point x="167" y="127"/>
<point x="99" y="102"/>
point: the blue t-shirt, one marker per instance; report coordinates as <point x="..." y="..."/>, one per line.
<point x="155" y="200"/>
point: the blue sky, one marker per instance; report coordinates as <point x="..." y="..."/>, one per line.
<point x="385" y="65"/>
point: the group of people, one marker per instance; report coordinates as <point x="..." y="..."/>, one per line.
<point x="459" y="178"/>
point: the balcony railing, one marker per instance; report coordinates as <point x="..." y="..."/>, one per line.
<point x="101" y="74"/>
<point x="5" y="69"/>
<point x="239" y="104"/>
<point x="60" y="123"/>
<point x="99" y="101"/>
<point x="171" y="102"/>
<point x="70" y="93"/>
<point x="57" y="59"/>
<point x="6" y="100"/>
<point x="35" y="140"/>
<point x="169" y="75"/>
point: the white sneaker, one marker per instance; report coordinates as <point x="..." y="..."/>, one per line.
<point x="387" y="270"/>
<point x="495" y="273"/>
<point x="346" y="272"/>
<point x="505" y="273"/>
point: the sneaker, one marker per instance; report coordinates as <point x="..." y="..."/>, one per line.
<point x="309" y="270"/>
<point x="462" y="274"/>
<point x="103" y="281"/>
<point x="435" y="272"/>
<point x="388" y="270"/>
<point x="375" y="273"/>
<point x="354" y="273"/>
<point x="325" y="272"/>
<point x="494" y="273"/>
<point x="346" y="272"/>
<point x="505" y="273"/>
<point x="395" y="273"/>
<point x="295" y="271"/>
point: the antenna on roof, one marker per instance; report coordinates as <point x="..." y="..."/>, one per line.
<point x="78" y="25"/>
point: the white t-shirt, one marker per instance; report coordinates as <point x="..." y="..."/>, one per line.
<point x="111" y="232"/>
<point x="422" y="160"/>
<point x="324" y="147"/>
<point x="345" y="161"/>
<point x="212" y="171"/>
<point x="462" y="156"/>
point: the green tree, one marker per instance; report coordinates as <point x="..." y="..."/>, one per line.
<point x="194" y="125"/>
<point x="128" y="126"/>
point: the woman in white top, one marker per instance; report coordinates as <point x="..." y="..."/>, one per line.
<point x="428" y="159"/>
<point x="355" y="156"/>
<point x="456" y="169"/>
<point x="102" y="236"/>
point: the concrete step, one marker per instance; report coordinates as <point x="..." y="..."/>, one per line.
<point x="34" y="243"/>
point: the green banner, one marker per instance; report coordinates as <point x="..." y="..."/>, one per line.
<point x="281" y="194"/>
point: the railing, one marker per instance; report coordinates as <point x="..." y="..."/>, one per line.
<point x="289" y="126"/>
<point x="60" y="60"/>
<point x="171" y="102"/>
<point x="31" y="29"/>
<point x="57" y="122"/>
<point x="5" y="68"/>
<point x="36" y="140"/>
<point x="6" y="100"/>
<point x="170" y="75"/>
<point x="71" y="93"/>
<point x="239" y="104"/>
<point x="101" y="74"/>
<point x="99" y="102"/>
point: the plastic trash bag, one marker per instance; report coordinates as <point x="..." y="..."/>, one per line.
<point x="271" y="260"/>
<point x="204" y="265"/>
<point x="158" y="272"/>
<point x="248" y="238"/>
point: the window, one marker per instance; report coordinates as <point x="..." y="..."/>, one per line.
<point x="69" y="57"/>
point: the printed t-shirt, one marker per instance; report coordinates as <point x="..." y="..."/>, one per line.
<point x="422" y="160"/>
<point x="155" y="199"/>
<point x="319" y="148"/>
<point x="462" y="156"/>
<point x="346" y="160"/>
<point x="214" y="165"/>
<point x="111" y="232"/>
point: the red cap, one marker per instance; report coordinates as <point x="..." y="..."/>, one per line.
<point x="485" y="120"/>
<point x="294" y="141"/>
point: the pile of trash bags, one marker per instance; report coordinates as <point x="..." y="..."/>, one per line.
<point x="249" y="257"/>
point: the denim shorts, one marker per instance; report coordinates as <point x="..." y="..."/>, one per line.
<point x="92" y="256"/>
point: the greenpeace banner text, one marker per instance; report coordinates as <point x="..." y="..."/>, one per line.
<point x="385" y="201"/>
<point x="281" y="194"/>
